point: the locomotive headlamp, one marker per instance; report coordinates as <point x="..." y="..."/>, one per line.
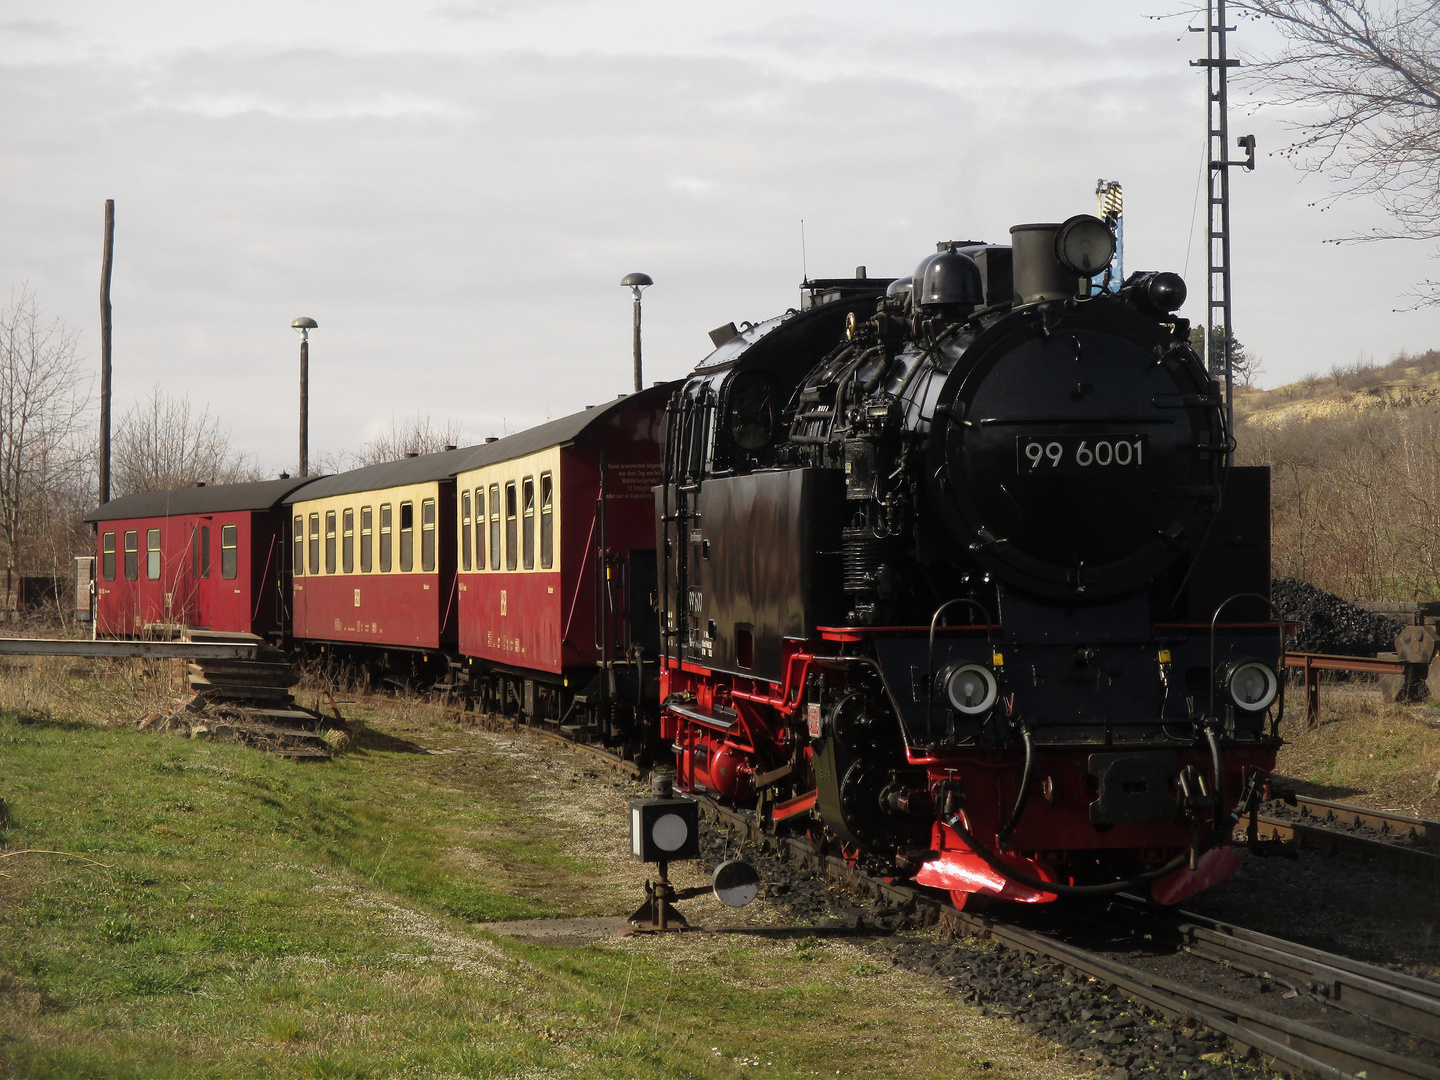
<point x="1165" y="291"/>
<point x="1251" y="685"/>
<point x="1084" y="245"/>
<point x="970" y="689"/>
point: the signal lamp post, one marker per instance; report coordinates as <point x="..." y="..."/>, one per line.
<point x="304" y="324"/>
<point x="637" y="282"/>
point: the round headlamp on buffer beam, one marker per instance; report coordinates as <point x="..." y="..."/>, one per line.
<point x="637" y="283"/>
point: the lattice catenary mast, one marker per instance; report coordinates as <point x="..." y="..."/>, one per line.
<point x="1218" y="336"/>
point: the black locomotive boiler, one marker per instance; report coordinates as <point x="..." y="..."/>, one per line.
<point x="954" y="568"/>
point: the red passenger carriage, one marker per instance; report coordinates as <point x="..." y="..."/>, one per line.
<point x="208" y="557"/>
<point x="538" y="512"/>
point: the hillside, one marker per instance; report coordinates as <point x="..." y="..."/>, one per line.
<point x="1355" y="491"/>
<point x="1405" y="382"/>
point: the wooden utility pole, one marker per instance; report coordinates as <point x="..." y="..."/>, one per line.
<point x="105" y="265"/>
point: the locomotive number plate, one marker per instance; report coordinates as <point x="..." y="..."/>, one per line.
<point x="1079" y="453"/>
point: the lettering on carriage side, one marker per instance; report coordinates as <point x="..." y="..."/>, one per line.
<point x="502" y="601"/>
<point x="357" y="597"/>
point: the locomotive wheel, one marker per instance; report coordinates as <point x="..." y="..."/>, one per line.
<point x="960" y="899"/>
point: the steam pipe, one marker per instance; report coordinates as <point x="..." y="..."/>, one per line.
<point x="1023" y="795"/>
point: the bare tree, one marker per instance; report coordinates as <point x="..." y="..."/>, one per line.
<point x="43" y="399"/>
<point x="1372" y="69"/>
<point x="162" y="443"/>
<point x="1246" y="367"/>
<point x="414" y="435"/>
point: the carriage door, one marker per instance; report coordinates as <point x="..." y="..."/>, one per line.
<point x="200" y="569"/>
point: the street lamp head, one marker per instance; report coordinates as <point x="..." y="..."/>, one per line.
<point x="304" y="322"/>
<point x="637" y="281"/>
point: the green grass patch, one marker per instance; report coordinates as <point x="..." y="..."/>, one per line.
<point x="218" y="912"/>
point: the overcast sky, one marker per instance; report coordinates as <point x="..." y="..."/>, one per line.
<point x="453" y="189"/>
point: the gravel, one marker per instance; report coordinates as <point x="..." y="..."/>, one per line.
<point x="1330" y="624"/>
<point x="1117" y="1038"/>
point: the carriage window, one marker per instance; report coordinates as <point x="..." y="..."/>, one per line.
<point x="367" y="522"/>
<point x="314" y="543"/>
<point x="299" y="567"/>
<point x="427" y="536"/>
<point x="547" y="521"/>
<point x="527" y="525"/>
<point x="229" y="545"/>
<point x="384" y="538"/>
<point x="107" y="556"/>
<point x="132" y="554"/>
<point x="152" y="554"/>
<point x="407" y="537"/>
<point x="329" y="541"/>
<point x="494" y="526"/>
<point x="480" y="528"/>
<point x="465" y="530"/>
<point x="203" y="550"/>
<point x="512" y="528"/>
<point x="347" y="540"/>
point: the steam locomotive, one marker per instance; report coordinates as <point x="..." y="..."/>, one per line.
<point x="956" y="564"/>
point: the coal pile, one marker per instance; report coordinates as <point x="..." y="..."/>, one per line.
<point x="1330" y="624"/>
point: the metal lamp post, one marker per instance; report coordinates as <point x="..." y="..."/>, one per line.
<point x="304" y="324"/>
<point x="637" y="282"/>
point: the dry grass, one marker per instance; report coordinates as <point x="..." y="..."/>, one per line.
<point x="1366" y="751"/>
<point x="100" y="692"/>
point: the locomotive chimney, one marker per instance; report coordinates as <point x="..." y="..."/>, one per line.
<point x="1038" y="272"/>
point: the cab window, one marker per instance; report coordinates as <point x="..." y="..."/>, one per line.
<point x="229" y="550"/>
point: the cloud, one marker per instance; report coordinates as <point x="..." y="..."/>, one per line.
<point x="458" y="222"/>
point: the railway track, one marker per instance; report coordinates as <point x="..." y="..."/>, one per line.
<point x="1336" y="1018"/>
<point x="1397" y="841"/>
